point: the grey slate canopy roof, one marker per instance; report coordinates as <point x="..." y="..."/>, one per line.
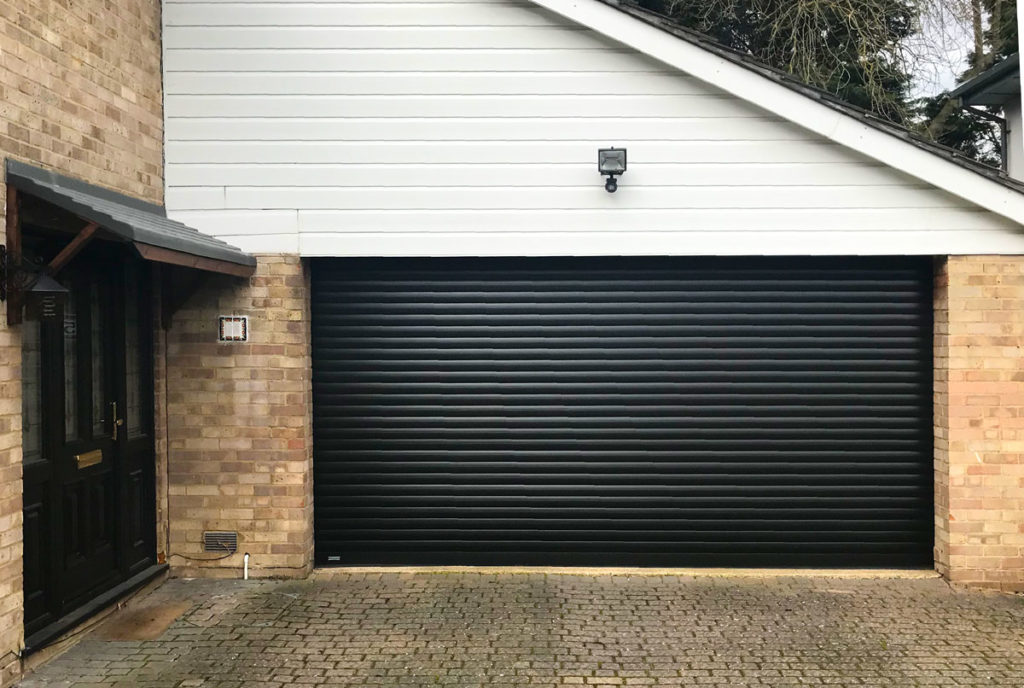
<point x="824" y="97"/>
<point x="994" y="87"/>
<point x="128" y="218"/>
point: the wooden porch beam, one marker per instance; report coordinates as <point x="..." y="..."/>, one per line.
<point x="187" y="260"/>
<point x="72" y="249"/>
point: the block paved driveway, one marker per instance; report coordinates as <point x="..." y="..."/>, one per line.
<point x="472" y="629"/>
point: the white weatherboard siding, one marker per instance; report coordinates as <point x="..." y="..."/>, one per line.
<point x="471" y="127"/>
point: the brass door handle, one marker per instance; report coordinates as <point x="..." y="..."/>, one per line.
<point x="117" y="422"/>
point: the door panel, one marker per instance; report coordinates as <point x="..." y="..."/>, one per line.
<point x="36" y="567"/>
<point x="87" y="485"/>
<point x="135" y="437"/>
<point x="89" y="356"/>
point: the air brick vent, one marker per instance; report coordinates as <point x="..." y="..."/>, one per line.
<point x="220" y="541"/>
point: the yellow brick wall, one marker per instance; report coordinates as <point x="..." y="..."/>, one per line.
<point x="80" y="92"/>
<point x="979" y="415"/>
<point x="239" y="425"/>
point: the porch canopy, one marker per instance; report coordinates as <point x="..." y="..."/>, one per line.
<point x="144" y="225"/>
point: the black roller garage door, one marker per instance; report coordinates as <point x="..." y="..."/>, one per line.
<point x="613" y="411"/>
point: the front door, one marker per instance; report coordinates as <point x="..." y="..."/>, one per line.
<point x="89" y="502"/>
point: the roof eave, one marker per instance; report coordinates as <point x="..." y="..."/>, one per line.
<point x="984" y="85"/>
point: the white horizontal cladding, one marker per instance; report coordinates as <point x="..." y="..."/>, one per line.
<point x="680" y="222"/>
<point x="430" y="84"/>
<point x="685" y="224"/>
<point x="301" y="129"/>
<point x="789" y="175"/>
<point x="589" y="197"/>
<point x="603" y="59"/>
<point x="595" y="233"/>
<point x="283" y="223"/>
<point x="463" y="105"/>
<point x="376" y="37"/>
<point x="642" y="243"/>
<point x="507" y="153"/>
<point x="373" y="14"/>
<point x="471" y="127"/>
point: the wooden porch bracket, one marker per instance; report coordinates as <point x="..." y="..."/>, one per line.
<point x="15" y="298"/>
<point x="72" y="249"/>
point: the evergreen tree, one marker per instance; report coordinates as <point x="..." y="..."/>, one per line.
<point x="858" y="51"/>
<point x="851" y="48"/>
<point x="994" y="23"/>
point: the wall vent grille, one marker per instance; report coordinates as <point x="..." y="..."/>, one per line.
<point x="220" y="541"/>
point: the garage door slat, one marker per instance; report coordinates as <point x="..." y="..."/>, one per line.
<point x="717" y="514"/>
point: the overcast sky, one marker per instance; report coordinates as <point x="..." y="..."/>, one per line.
<point x="942" y="47"/>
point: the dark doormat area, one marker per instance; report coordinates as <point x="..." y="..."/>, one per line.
<point x="142" y="623"/>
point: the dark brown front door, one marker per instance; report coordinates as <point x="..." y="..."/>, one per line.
<point x="89" y="501"/>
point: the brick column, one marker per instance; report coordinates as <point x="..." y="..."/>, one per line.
<point x="979" y="420"/>
<point x="940" y="411"/>
<point x="160" y="415"/>
<point x="11" y="547"/>
<point x="239" y="425"/>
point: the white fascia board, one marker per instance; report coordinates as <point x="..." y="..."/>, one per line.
<point x="791" y="105"/>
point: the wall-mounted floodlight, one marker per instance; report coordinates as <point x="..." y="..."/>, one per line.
<point x="611" y="162"/>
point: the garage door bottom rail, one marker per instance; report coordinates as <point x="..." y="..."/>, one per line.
<point x="908" y="560"/>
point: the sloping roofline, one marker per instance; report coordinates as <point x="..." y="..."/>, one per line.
<point x="785" y="96"/>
